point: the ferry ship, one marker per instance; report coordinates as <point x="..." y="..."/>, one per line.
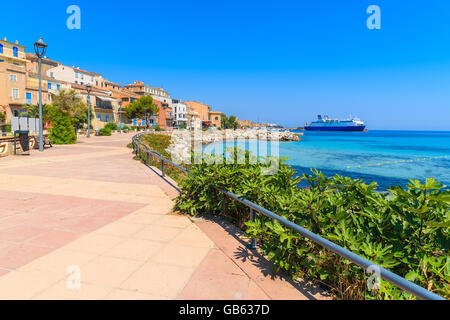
<point x="326" y="124"/>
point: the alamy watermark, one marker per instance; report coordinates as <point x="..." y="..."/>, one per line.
<point x="74" y="20"/>
<point x="373" y="282"/>
<point x="374" y="20"/>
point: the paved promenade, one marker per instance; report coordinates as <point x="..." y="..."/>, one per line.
<point x="89" y="211"/>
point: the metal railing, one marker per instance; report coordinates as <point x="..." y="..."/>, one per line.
<point x="387" y="275"/>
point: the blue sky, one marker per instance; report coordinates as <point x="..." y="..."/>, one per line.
<point x="272" y="61"/>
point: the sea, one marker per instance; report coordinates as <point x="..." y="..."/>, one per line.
<point x="386" y="157"/>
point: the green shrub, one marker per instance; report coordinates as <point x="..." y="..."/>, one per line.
<point x="159" y="143"/>
<point x="405" y="230"/>
<point x="8" y="128"/>
<point x="126" y="128"/>
<point x="112" y="126"/>
<point x="62" y="131"/>
<point x="105" y="131"/>
<point x="157" y="128"/>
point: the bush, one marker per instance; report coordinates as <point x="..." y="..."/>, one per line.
<point x="157" y="128"/>
<point x="126" y="128"/>
<point x="405" y="230"/>
<point x="62" y="131"/>
<point x="105" y="131"/>
<point x="159" y="143"/>
<point x="112" y="126"/>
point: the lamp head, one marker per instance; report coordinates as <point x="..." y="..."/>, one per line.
<point x="40" y="47"/>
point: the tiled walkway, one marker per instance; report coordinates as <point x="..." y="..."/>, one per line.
<point x="90" y="212"/>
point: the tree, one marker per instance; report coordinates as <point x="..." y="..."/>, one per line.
<point x="228" y="122"/>
<point x="2" y="117"/>
<point x="69" y="102"/>
<point x="32" y="111"/>
<point x="66" y="112"/>
<point x="62" y="131"/>
<point x="142" y="108"/>
<point x="73" y="106"/>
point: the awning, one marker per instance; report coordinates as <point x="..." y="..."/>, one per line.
<point x="106" y="98"/>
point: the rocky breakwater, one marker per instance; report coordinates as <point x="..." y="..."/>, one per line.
<point x="184" y="141"/>
<point x="210" y="136"/>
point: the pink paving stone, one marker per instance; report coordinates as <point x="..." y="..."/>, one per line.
<point x="215" y="285"/>
<point x="54" y="239"/>
<point x="16" y="256"/>
<point x="21" y="233"/>
<point x="217" y="261"/>
<point x="254" y="292"/>
<point x="88" y="223"/>
<point x="276" y="286"/>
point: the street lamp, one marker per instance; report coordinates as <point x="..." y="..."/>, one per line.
<point x="40" y="48"/>
<point x="120" y="116"/>
<point x="89" y="88"/>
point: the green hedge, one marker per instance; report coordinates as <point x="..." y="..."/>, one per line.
<point x="62" y="131"/>
<point x="105" y="131"/>
<point x="112" y="126"/>
<point x="405" y="230"/>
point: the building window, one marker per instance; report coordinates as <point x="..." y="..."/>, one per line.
<point x="76" y="82"/>
<point x="15" y="52"/>
<point x="99" y="117"/>
<point x="143" y="122"/>
<point x="135" y="122"/>
<point x="49" y="86"/>
<point x="51" y="75"/>
<point x="1" y="48"/>
<point x="82" y="76"/>
<point x="13" y="77"/>
<point x="58" y="86"/>
<point x="76" y="74"/>
<point x="15" y="93"/>
<point x="217" y="118"/>
<point x="107" y="118"/>
<point x="28" y="97"/>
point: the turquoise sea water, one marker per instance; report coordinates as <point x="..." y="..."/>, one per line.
<point x="387" y="157"/>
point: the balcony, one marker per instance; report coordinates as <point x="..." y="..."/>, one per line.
<point x="103" y="106"/>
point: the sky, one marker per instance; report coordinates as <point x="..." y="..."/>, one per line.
<point x="282" y="62"/>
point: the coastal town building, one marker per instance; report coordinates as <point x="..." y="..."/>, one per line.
<point x="12" y="77"/>
<point x="166" y="115"/>
<point x="215" y="117"/>
<point x="73" y="75"/>
<point x="180" y="113"/>
<point x="105" y="108"/>
<point x="142" y="89"/>
<point x="193" y="118"/>
<point x="19" y="76"/>
<point x="50" y="86"/>
<point x="198" y="111"/>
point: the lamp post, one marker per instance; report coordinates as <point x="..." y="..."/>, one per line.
<point x="120" y="116"/>
<point x="89" y="88"/>
<point x="40" y="48"/>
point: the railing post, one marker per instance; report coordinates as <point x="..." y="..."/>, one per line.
<point x="162" y="168"/>
<point x="253" y="217"/>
